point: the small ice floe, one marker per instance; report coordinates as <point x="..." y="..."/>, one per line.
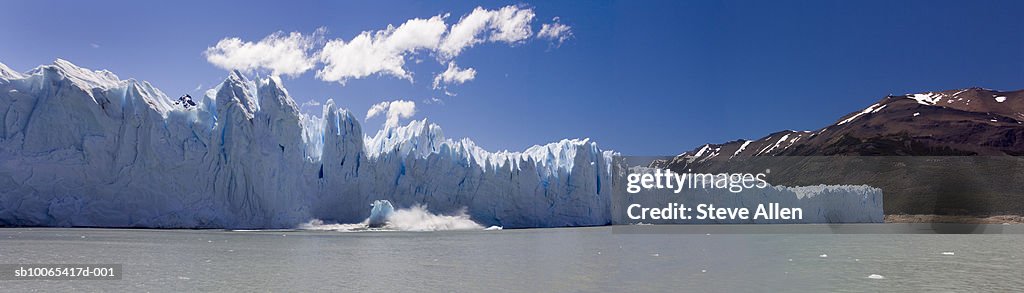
<point x="655" y="254"/>
<point x="948" y="253"/>
<point x="1000" y="99"/>
<point x="917" y="114"/>
<point x="184" y="278"/>
<point x="823" y="255"/>
<point x="703" y="271"/>
<point x="493" y="228"/>
<point x="791" y="259"/>
<point x="876" y="277"/>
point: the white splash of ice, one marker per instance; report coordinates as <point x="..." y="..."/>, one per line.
<point x="416" y="218"/>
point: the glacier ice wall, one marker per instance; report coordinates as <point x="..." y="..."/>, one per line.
<point x="85" y="148"/>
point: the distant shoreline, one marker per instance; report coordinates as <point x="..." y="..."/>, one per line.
<point x="1000" y="219"/>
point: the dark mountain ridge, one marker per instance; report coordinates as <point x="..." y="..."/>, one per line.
<point x="947" y="152"/>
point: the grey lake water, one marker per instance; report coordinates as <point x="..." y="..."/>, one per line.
<point x="530" y="260"/>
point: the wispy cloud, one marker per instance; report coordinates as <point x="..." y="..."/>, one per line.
<point x="311" y="104"/>
<point x="433" y="100"/>
<point x="94" y="45"/>
<point x="454" y="75"/>
<point x="557" y="32"/>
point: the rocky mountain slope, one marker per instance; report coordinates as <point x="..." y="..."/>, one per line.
<point x="948" y="152"/>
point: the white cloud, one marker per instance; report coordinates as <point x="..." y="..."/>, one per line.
<point x="464" y="33"/>
<point x="454" y="75"/>
<point x="557" y="32"/>
<point x="94" y="45"/>
<point x="510" y="24"/>
<point x="392" y="111"/>
<point x="385" y="52"/>
<point x="279" y="53"/>
<point x="381" y="52"/>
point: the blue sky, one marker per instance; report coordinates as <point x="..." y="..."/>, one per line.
<point x="640" y="77"/>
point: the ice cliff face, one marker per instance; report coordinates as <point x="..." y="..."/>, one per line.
<point x="85" y="148"/>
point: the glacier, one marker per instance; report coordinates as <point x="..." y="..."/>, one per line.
<point x="85" y="148"/>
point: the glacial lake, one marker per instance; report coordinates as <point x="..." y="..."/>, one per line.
<point x="786" y="258"/>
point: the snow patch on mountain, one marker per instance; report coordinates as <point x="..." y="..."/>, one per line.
<point x="869" y="109"/>
<point x="929" y="99"/>
<point x="740" y="150"/>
